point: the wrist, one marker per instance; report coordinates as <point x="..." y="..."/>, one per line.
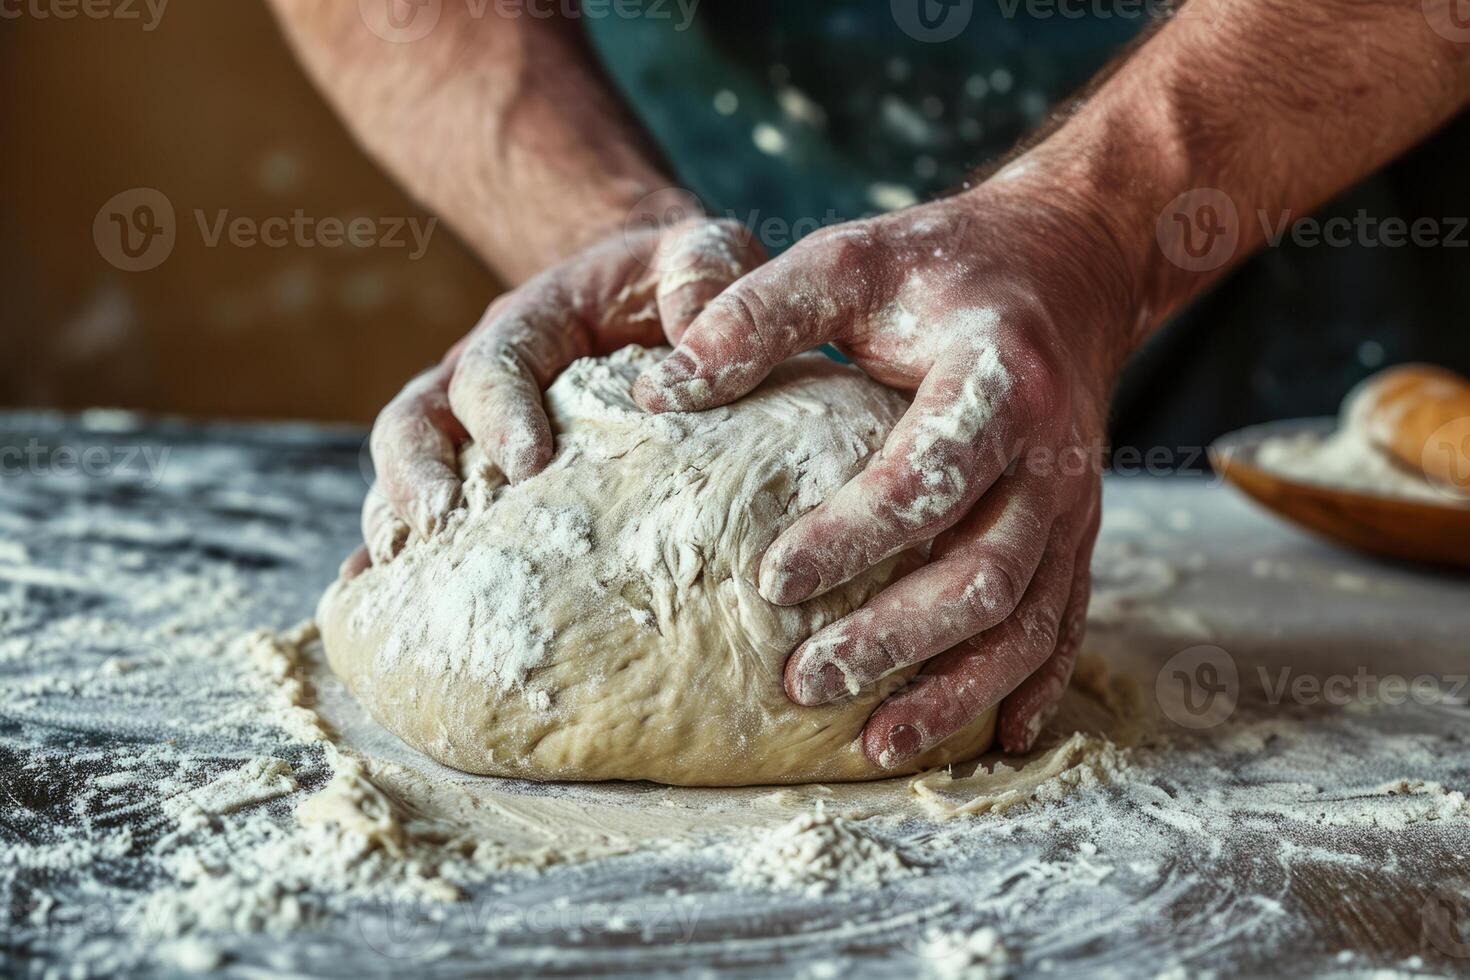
<point x="552" y="222"/>
<point x="1087" y="248"/>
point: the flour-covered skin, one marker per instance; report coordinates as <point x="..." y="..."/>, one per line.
<point x="604" y="620"/>
<point x="996" y="312"/>
<point x="643" y="285"/>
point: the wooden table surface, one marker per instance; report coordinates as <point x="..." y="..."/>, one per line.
<point x="1237" y="849"/>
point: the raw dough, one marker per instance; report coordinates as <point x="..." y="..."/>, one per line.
<point x="601" y="620"/>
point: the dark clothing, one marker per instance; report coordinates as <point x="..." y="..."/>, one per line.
<point x="876" y="111"/>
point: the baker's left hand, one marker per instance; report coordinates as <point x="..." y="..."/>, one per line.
<point x="1007" y="315"/>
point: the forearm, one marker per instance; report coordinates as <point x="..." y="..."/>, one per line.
<point x="1276" y="104"/>
<point x="504" y="126"/>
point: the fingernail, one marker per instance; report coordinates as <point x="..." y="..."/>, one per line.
<point x="354" y="565"/>
<point x="789" y="581"/>
<point x="1035" y="725"/>
<point x="432" y="507"/>
<point x="659" y="388"/>
<point x="388" y="541"/>
<point x="903" y="744"/>
<point x="522" y="463"/>
<point x="520" y="457"/>
<point x="675" y="369"/>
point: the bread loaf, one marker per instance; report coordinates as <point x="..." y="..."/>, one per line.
<point x="1420" y="415"/>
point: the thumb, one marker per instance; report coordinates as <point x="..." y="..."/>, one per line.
<point x="792" y="304"/>
<point x="695" y="263"/>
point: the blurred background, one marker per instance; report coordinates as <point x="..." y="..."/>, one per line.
<point x="805" y="113"/>
<point x="210" y="109"/>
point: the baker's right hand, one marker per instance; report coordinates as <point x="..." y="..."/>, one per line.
<point x="641" y="285"/>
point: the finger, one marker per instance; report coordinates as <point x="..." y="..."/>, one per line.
<point x="382" y="530"/>
<point x="797" y="302"/>
<point x="414" y="448"/>
<point x="1030" y="706"/>
<point x="974" y="581"/>
<point x="966" y="425"/>
<point x="961" y="684"/>
<point x="355" y="564"/>
<point x="516" y="351"/>
<point x="695" y="264"/>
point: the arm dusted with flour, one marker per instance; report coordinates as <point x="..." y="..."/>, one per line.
<point x="1009" y="309"/>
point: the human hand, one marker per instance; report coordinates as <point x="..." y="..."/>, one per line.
<point x="1003" y="311"/>
<point x="643" y="285"/>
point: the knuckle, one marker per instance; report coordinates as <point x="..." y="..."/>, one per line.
<point x="732" y="232"/>
<point x="851" y="242"/>
<point x="1040" y="628"/>
<point x="1041" y="390"/>
<point x="913" y="500"/>
<point x="742" y="316"/>
<point x="998" y="587"/>
<point x="888" y="653"/>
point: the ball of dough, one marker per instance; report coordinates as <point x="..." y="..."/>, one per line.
<point x="601" y="620"/>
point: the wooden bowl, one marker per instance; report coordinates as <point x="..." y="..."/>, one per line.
<point x="1396" y="527"/>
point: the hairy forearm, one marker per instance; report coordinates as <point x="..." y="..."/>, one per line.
<point x="1254" y="109"/>
<point x="505" y="126"/>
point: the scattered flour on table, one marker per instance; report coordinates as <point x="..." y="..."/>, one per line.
<point x="978" y="955"/>
<point x="819" y="853"/>
<point x="220" y="806"/>
<point x="1131" y="588"/>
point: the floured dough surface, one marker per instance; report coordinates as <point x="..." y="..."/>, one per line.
<point x="601" y="620"/>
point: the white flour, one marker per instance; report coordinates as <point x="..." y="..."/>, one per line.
<point x="818" y="853"/>
<point x="151" y="823"/>
<point x="501" y="639"/>
<point x="1347" y="461"/>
